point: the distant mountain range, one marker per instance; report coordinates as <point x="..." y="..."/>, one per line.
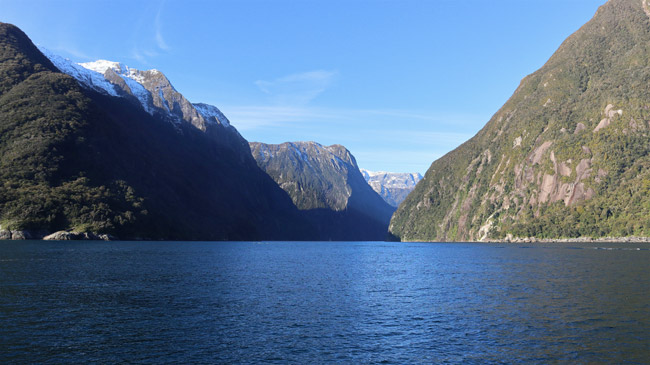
<point x="394" y="187"/>
<point x="325" y="183"/>
<point x="568" y="155"/>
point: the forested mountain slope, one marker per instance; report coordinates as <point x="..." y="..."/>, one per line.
<point x="566" y="156"/>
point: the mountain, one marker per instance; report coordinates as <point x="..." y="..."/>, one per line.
<point x="154" y="93"/>
<point x="78" y="153"/>
<point x="393" y="187"/>
<point x="566" y="156"/>
<point x="325" y="183"/>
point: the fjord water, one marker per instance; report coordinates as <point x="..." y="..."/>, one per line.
<point x="278" y="302"/>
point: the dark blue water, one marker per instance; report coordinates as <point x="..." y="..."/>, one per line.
<point x="323" y="302"/>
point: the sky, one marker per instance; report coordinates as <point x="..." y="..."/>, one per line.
<point x="399" y="83"/>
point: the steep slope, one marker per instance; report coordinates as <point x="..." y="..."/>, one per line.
<point x="393" y="187"/>
<point x="326" y="184"/>
<point x="75" y="158"/>
<point x="566" y="156"/>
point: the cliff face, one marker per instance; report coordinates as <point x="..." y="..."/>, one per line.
<point x="325" y="183"/>
<point x="566" y="156"/>
<point x="88" y="159"/>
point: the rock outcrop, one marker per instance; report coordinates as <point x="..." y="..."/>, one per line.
<point x="75" y="236"/>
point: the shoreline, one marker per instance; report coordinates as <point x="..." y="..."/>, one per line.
<point x="627" y="239"/>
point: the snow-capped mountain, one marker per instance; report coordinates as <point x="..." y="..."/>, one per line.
<point x="150" y="88"/>
<point x="392" y="186"/>
<point x="154" y="93"/>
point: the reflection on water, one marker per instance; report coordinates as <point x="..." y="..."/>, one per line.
<point x="344" y="302"/>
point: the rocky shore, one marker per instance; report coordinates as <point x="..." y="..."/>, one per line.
<point x="56" y="236"/>
<point x="510" y="239"/>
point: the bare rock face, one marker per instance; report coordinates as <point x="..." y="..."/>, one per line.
<point x="20" y="235"/>
<point x="610" y="113"/>
<point x="579" y="128"/>
<point x="75" y="236"/>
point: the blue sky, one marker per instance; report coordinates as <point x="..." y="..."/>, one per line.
<point x="399" y="83"/>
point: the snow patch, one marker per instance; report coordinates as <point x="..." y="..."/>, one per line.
<point x="391" y="179"/>
<point x="102" y="66"/>
<point x="210" y="111"/>
<point x="86" y="77"/>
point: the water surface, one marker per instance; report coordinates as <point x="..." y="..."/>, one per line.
<point x="299" y="302"/>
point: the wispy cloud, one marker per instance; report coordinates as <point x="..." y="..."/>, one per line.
<point x="137" y="55"/>
<point x="148" y="41"/>
<point x="253" y="117"/>
<point x="298" y="88"/>
<point x="250" y="117"/>
<point x="71" y="50"/>
<point x="160" y="41"/>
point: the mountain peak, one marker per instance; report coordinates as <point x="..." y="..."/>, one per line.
<point x="18" y="51"/>
<point x="153" y="76"/>
<point x="102" y="65"/>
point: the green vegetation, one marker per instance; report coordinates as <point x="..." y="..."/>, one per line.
<point x="533" y="170"/>
<point x="42" y="114"/>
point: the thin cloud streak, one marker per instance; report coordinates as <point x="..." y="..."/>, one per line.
<point x="299" y="88"/>
<point x="72" y="51"/>
<point x="248" y="117"/>
<point x="148" y="41"/>
<point x="160" y="41"/>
